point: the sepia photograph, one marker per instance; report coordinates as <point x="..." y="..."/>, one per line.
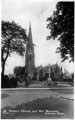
<point x="37" y="59"/>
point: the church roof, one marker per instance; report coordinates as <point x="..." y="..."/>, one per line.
<point x="55" y="67"/>
<point x="38" y="68"/>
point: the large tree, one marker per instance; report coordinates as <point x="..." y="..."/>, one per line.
<point x="13" y="39"/>
<point x="61" y="26"/>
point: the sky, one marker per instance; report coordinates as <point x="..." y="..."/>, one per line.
<point x="23" y="12"/>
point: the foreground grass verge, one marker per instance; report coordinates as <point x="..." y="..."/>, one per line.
<point x="45" y="108"/>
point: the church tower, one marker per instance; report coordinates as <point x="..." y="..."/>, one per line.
<point x="29" y="62"/>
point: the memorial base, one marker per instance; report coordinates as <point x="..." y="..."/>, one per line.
<point x="49" y="80"/>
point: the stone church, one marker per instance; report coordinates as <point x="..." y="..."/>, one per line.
<point x="30" y="68"/>
<point x="30" y="62"/>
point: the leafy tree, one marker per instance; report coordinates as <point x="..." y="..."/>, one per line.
<point x="19" y="71"/>
<point x="61" y="26"/>
<point x="13" y="39"/>
<point x="72" y="75"/>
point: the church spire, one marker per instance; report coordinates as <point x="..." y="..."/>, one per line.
<point x="29" y="63"/>
<point x="30" y="34"/>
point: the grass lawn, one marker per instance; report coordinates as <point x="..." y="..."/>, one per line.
<point x="4" y="95"/>
<point x="45" y="108"/>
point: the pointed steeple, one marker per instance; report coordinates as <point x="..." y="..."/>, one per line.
<point x="29" y="63"/>
<point x="30" y="34"/>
